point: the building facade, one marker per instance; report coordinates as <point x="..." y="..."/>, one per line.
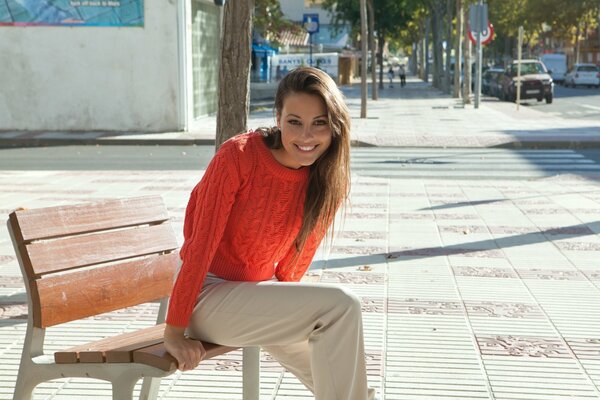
<point x="157" y="74"/>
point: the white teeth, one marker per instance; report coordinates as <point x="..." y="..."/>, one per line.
<point x="306" y="148"/>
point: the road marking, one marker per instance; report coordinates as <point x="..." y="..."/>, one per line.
<point x="592" y="107"/>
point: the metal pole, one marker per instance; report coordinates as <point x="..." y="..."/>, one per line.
<point x="363" y="62"/>
<point x="520" y="45"/>
<point x="479" y="56"/>
<point x="310" y="61"/>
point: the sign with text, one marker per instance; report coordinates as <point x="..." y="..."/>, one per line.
<point x="283" y="63"/>
<point x="72" y="13"/>
<point x="310" y="22"/>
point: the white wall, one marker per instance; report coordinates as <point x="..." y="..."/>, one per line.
<point x="294" y="9"/>
<point x="92" y="78"/>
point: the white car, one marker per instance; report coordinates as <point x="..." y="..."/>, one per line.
<point x="583" y="74"/>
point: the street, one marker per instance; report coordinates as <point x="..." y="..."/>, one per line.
<point x="376" y="162"/>
<point x="580" y="103"/>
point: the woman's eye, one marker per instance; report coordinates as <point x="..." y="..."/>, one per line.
<point x="294" y="122"/>
<point x="321" y="122"/>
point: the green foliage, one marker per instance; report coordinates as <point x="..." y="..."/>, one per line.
<point x="269" y="20"/>
<point x="391" y="16"/>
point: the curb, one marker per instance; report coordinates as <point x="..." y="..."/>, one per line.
<point x="515" y="145"/>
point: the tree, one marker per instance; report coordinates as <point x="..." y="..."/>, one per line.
<point x="234" y="71"/>
<point x="269" y="21"/>
<point x="239" y="18"/>
<point x="391" y="16"/>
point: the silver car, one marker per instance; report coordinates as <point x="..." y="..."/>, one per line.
<point x="583" y="74"/>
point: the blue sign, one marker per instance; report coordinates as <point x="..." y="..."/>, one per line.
<point x="310" y="22"/>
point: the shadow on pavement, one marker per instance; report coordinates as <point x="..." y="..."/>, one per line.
<point x="489" y="248"/>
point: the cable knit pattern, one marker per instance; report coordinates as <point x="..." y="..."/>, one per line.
<point x="241" y="222"/>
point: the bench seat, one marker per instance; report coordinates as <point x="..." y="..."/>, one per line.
<point x="144" y="346"/>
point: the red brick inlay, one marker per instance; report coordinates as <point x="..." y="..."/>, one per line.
<point x="578" y="246"/>
<point x="358" y="250"/>
<point x="522" y="346"/>
<point x="483" y="272"/>
<point x="442" y="251"/>
<point x="366" y="215"/>
<point x="6" y="259"/>
<point x="363" y="235"/>
<point x="11" y="282"/>
<point x="425" y="307"/>
<point x="504" y="310"/>
<point x="372" y="304"/>
<point x="592" y="275"/>
<point x="463" y="229"/>
<point x="551" y="274"/>
<point x="13" y="310"/>
<point x="356" y="278"/>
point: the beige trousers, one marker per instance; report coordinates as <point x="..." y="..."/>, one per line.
<point x="313" y="330"/>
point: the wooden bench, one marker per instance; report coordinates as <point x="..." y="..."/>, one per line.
<point x="83" y="260"/>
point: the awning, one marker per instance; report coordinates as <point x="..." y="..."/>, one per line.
<point x="263" y="50"/>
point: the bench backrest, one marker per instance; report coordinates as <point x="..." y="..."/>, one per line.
<point x="87" y="259"/>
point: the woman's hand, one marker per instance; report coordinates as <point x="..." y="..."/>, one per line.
<point x="187" y="352"/>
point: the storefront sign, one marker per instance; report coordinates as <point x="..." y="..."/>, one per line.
<point x="72" y="13"/>
<point x="283" y="63"/>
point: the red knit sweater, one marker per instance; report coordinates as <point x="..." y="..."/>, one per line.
<point x="241" y="222"/>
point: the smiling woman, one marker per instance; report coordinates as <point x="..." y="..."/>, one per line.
<point x="252" y="226"/>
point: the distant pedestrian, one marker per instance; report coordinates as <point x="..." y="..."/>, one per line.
<point x="402" y="73"/>
<point x="391" y="76"/>
<point x="251" y="229"/>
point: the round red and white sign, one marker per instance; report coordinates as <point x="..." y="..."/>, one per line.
<point x="486" y="36"/>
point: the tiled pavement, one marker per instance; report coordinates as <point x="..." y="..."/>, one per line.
<point x="470" y="290"/>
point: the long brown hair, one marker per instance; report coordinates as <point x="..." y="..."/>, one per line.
<point x="329" y="177"/>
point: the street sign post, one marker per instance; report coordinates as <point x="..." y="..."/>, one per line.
<point x="310" y="22"/>
<point x="487" y="35"/>
<point x="478" y="23"/>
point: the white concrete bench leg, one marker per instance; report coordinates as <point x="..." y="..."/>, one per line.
<point x="251" y="373"/>
<point x="150" y="388"/>
<point x="123" y="388"/>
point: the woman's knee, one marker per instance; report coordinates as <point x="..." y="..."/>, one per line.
<point x="344" y="299"/>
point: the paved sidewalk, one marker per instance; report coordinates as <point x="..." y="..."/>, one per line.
<point x="470" y="290"/>
<point x="414" y="116"/>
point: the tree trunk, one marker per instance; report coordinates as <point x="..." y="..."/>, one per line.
<point x="577" y="42"/>
<point x="380" y="60"/>
<point x="421" y="45"/>
<point x="466" y="85"/>
<point x="363" y="59"/>
<point x="438" y="48"/>
<point x="427" y="32"/>
<point x="449" y="17"/>
<point x="371" y="12"/>
<point x="234" y="70"/>
<point x="458" y="48"/>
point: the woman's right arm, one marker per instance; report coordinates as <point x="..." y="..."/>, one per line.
<point x="207" y="214"/>
<point x="187" y="352"/>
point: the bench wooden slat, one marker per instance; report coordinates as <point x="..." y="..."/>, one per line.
<point x="156" y="355"/>
<point x="83" y="293"/>
<point x="52" y="222"/>
<point x="112" y="349"/>
<point x="79" y="251"/>
<point x="143" y="346"/>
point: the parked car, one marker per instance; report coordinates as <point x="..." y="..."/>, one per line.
<point x="490" y="80"/>
<point x="535" y="82"/>
<point x="583" y="74"/>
